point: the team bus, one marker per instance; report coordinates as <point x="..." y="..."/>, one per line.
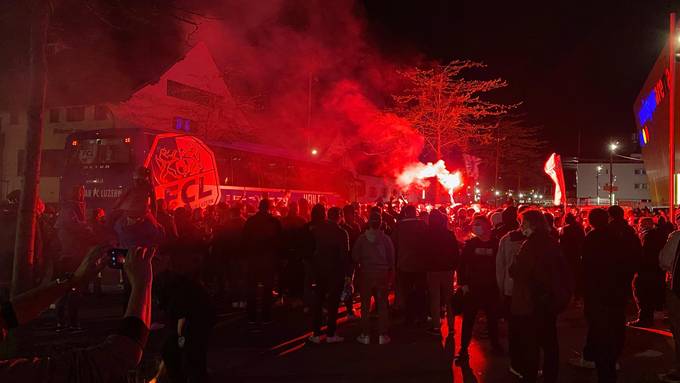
<point x="187" y="171"/>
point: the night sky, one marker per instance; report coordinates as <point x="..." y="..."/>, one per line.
<point x="574" y="65"/>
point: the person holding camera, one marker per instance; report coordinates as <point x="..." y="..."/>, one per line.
<point x="109" y="361"/>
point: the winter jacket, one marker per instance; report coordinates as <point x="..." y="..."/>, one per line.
<point x="373" y="252"/>
<point x="408" y="244"/>
<point x="441" y="250"/>
<point x="571" y="243"/>
<point x="262" y="235"/>
<point x="478" y="266"/>
<point x="331" y="251"/>
<point x="532" y="272"/>
<point x="508" y="248"/>
<point x="611" y="256"/>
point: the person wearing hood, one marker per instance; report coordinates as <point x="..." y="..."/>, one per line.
<point x="508" y="222"/>
<point x="441" y="258"/>
<point x="373" y="252"/>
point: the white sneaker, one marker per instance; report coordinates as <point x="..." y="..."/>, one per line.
<point x="582" y="363"/>
<point x="384" y="339"/>
<point x="364" y="339"/>
<point x="335" y="339"/>
<point x="315" y="339"/>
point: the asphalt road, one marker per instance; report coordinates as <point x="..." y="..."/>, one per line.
<point x="279" y="352"/>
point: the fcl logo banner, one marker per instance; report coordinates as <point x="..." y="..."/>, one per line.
<point x="553" y="168"/>
<point x="184" y="171"/>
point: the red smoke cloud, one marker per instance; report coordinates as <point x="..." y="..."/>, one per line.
<point x="273" y="49"/>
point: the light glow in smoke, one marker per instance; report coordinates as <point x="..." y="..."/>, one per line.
<point x="419" y="174"/>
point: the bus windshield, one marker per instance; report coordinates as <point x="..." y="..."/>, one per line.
<point x="100" y="151"/>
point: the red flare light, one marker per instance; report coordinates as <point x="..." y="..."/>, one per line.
<point x="419" y="173"/>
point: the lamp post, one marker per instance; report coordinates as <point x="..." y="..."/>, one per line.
<point x="597" y="180"/>
<point x="612" y="149"/>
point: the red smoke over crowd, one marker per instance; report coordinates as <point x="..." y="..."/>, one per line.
<point x="315" y="79"/>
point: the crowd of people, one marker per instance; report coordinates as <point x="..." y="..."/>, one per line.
<point x="422" y="265"/>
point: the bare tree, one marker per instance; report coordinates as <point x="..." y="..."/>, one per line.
<point x="515" y="150"/>
<point x="447" y="109"/>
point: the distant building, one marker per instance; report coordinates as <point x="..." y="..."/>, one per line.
<point x="59" y="122"/>
<point x="190" y="96"/>
<point x="631" y="186"/>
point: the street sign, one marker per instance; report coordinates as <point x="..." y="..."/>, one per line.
<point x="607" y="188"/>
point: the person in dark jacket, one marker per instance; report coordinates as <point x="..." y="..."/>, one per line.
<point x="373" y="253"/>
<point x="649" y="282"/>
<point x="411" y="270"/>
<point x="331" y="270"/>
<point x="609" y="291"/>
<point x="533" y="318"/>
<point x="607" y="288"/>
<point x="226" y="246"/>
<point x="441" y="258"/>
<point x="477" y="278"/>
<point x="353" y="229"/>
<point x="317" y="219"/>
<point x="292" y="277"/>
<point x="262" y="244"/>
<point x="572" y="236"/>
<point x="192" y="316"/>
<point x="508" y="222"/>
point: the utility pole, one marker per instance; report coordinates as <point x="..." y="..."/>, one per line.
<point x="671" y="119"/>
<point x="612" y="148"/>
<point x="24" y="247"/>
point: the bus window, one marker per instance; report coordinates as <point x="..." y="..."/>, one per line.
<point x="102" y="151"/>
<point x="113" y="151"/>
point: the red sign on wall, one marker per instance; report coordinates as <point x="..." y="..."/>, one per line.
<point x="184" y="171"/>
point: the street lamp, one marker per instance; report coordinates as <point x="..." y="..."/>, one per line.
<point x="612" y="150"/>
<point x="597" y="179"/>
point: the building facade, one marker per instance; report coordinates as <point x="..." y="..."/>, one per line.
<point x="190" y="96"/>
<point x="631" y="185"/>
<point x="60" y="121"/>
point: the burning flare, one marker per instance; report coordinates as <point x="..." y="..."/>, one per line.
<point x="419" y="173"/>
